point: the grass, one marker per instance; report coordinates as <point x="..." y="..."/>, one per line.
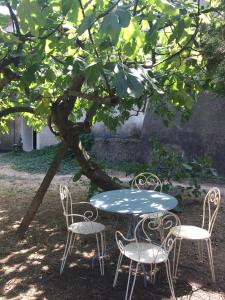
<point x="38" y="161"/>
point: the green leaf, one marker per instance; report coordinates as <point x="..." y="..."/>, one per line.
<point x="86" y="23"/>
<point x="151" y="38"/>
<point x="74" y="11"/>
<point x="121" y="84"/>
<point x="30" y="16"/>
<point x="123" y="16"/>
<point x="77" y="176"/>
<point x="29" y="75"/>
<point x="4" y="20"/>
<point x="130" y="47"/>
<point x="42" y="107"/>
<point x="169" y="8"/>
<point x="14" y="3"/>
<point x="105" y="44"/>
<point x="126" y="83"/>
<point x="50" y="75"/>
<point x="92" y="72"/>
<point x="135" y="87"/>
<point x="111" y="26"/>
<point x="66" y="5"/>
<point x="177" y="32"/>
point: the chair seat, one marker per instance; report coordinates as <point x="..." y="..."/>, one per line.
<point x="145" y="253"/>
<point x="190" y="232"/>
<point x="86" y="227"/>
<point x="155" y="215"/>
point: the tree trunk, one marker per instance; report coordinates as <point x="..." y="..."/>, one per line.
<point x="90" y="168"/>
<point x="70" y="132"/>
<point x="38" y="198"/>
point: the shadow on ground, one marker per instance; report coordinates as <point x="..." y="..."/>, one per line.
<point x="30" y="269"/>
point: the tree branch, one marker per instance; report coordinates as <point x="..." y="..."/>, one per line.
<point x="90" y="113"/>
<point x="50" y="126"/>
<point x="16" y="109"/>
<point x="102" y="15"/>
<point x="135" y="7"/>
<point x="180" y="51"/>
<point x="111" y="101"/>
<point x="14" y="18"/>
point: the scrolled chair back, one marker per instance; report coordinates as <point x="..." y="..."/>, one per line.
<point x="157" y="232"/>
<point x="210" y="208"/>
<point x="154" y="230"/>
<point x="76" y="211"/>
<point x="147" y="181"/>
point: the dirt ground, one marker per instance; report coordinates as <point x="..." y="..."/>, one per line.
<point x="30" y="269"/>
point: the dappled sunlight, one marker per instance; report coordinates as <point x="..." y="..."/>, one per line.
<point x="30" y="268"/>
<point x="133" y="201"/>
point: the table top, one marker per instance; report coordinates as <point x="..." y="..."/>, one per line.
<point x="133" y="201"/>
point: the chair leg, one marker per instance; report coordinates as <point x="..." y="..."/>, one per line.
<point x="103" y="250"/>
<point x="176" y="259"/>
<point x="200" y="250"/>
<point x="170" y="280"/>
<point x="117" y="269"/>
<point x="211" y="264"/>
<point x="72" y="244"/>
<point x="135" y="275"/>
<point x="104" y="239"/>
<point x="99" y="255"/>
<point x="66" y="251"/>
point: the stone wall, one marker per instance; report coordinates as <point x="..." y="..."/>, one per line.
<point x="202" y="135"/>
<point x="121" y="149"/>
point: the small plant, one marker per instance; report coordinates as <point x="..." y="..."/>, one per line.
<point x="170" y="165"/>
<point x="87" y="141"/>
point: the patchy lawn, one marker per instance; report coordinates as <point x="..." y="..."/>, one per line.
<point x="30" y="269"/>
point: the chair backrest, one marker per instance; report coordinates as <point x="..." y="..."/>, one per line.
<point x="147" y="181"/>
<point x="76" y="211"/>
<point x="210" y="208"/>
<point x="152" y="230"/>
<point x="149" y="230"/>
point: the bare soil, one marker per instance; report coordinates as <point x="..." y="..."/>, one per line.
<point x="30" y="269"/>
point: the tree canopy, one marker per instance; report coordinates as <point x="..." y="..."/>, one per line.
<point x="66" y="61"/>
<point x="214" y="51"/>
<point x="127" y="51"/>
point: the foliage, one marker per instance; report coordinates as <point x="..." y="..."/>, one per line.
<point x="214" y="52"/>
<point x="170" y="165"/>
<point x="126" y="49"/>
<point x="37" y="161"/>
<point x="87" y="141"/>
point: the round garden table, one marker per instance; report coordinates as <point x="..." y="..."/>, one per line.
<point x="133" y="202"/>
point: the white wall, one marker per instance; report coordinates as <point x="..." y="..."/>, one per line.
<point x="27" y="136"/>
<point x="45" y="138"/>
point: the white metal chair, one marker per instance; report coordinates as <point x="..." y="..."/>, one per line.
<point x="148" y="181"/>
<point x="83" y="222"/>
<point x="200" y="234"/>
<point x="146" y="248"/>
